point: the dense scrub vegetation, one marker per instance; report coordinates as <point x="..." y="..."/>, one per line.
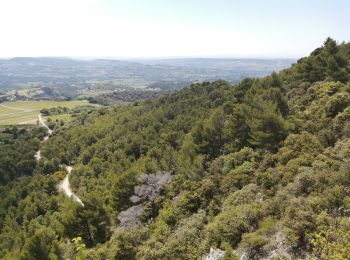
<point x="125" y="95"/>
<point x="18" y="146"/>
<point x="259" y="169"/>
<point x="66" y="110"/>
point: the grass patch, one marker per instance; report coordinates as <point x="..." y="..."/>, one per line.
<point x="26" y="112"/>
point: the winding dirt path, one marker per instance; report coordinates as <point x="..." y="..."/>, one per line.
<point x="64" y="185"/>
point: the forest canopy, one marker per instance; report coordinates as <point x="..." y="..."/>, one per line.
<point x="259" y="169"/>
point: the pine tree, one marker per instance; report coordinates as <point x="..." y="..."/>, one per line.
<point x="267" y="126"/>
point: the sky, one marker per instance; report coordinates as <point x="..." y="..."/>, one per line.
<point x="170" y="28"/>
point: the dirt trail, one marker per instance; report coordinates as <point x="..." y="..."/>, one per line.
<point x="64" y="184"/>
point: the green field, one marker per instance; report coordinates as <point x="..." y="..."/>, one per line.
<point x="26" y="112"/>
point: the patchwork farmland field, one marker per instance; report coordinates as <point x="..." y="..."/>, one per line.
<point x="26" y="112"/>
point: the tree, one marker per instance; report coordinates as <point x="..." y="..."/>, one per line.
<point x="237" y="129"/>
<point x="90" y="221"/>
<point x="211" y="134"/>
<point x="42" y="245"/>
<point x="267" y="126"/>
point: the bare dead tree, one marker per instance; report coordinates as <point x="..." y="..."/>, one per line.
<point x="147" y="192"/>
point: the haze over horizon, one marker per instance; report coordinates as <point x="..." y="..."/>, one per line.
<point x="168" y="29"/>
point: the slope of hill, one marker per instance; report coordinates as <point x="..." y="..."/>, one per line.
<point x="259" y="170"/>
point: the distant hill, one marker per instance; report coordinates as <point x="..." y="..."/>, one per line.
<point x="70" y="76"/>
<point x="258" y="65"/>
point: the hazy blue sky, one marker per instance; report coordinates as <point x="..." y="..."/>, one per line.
<point x="167" y="28"/>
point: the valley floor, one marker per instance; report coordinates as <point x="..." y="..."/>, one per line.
<point x="25" y="112"/>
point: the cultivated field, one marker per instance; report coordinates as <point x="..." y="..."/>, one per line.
<point x="26" y="112"/>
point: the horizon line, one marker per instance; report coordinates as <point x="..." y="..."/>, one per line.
<point x="126" y="58"/>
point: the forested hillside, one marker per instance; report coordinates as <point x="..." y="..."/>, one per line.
<point x="257" y="170"/>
